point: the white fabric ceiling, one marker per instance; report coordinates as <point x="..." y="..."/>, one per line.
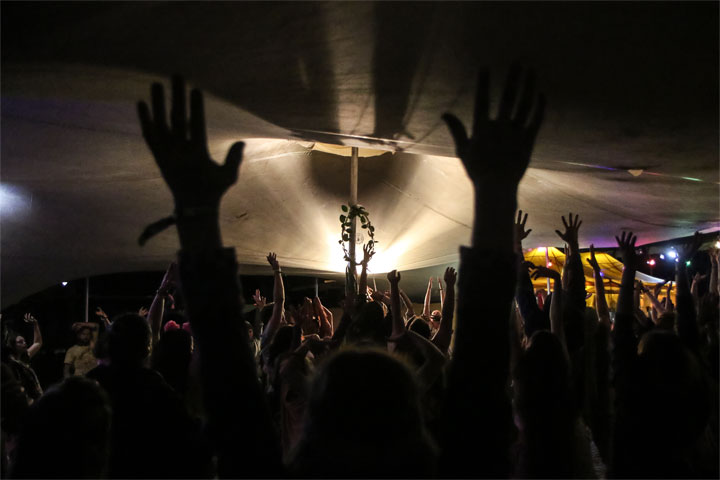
<point x="629" y="87"/>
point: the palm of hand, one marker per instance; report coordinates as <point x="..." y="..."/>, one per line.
<point x="193" y="177"/>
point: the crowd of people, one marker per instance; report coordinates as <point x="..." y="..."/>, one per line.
<point x="494" y="384"/>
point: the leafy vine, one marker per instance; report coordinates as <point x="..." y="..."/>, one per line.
<point x="347" y="234"/>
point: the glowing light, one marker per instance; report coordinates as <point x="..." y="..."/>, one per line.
<point x="672" y="254"/>
<point x="662" y="257"/>
<point x="717" y="244"/>
<point x="549" y="264"/>
<point x="11" y="200"/>
<point x="687" y="264"/>
<point x="541" y="249"/>
<point x="602" y="274"/>
<point x="691" y="179"/>
<point x="677" y="259"/>
<point x="651" y="262"/>
<point x="64" y="284"/>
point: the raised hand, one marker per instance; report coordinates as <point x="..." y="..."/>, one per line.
<point x="687" y="251"/>
<point x="571" y="230"/>
<point x="394" y="277"/>
<point x="143" y="312"/>
<point x="544" y="272"/>
<point x="100" y="313"/>
<point x="592" y="260"/>
<point x="368" y="252"/>
<point x="627" y="246"/>
<point x="259" y="300"/>
<point x="520" y="232"/>
<point x="499" y="150"/>
<point x="450" y="277"/>
<point x="29" y="318"/>
<point x="180" y="150"/>
<point x="170" y="279"/>
<point x="272" y="260"/>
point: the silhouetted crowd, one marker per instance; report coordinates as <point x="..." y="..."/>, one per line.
<point x="499" y="382"/>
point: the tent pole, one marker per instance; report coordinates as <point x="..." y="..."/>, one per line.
<point x="353" y="201"/>
<point x="547" y="260"/>
<point x="87" y="299"/>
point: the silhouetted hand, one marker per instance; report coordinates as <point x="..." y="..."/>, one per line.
<point x="450" y="277"/>
<point x="520" y="232"/>
<point x="272" y="260"/>
<point x="170" y="279"/>
<point x="180" y="151"/>
<point x="571" y="231"/>
<point x="259" y="300"/>
<point x="142" y="311"/>
<point x="29" y="318"/>
<point x="688" y="251"/>
<point x="499" y="150"/>
<point x="627" y="246"/>
<point x="394" y="277"/>
<point x="592" y="260"/>
<point x="544" y="272"/>
<point x="367" y="254"/>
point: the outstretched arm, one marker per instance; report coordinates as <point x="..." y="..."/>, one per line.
<point x="326" y="329"/>
<point x="686" y="315"/>
<point x="278" y="301"/>
<point x="409" y="310"/>
<point x="37" y="336"/>
<point x="367" y="255"/>
<point x="245" y="444"/>
<point x="444" y="334"/>
<point x="398" y="326"/>
<point x="157" y="308"/>
<point x="495" y="158"/>
<point x="601" y="305"/>
<point x="573" y="274"/>
<point x="556" y="322"/>
<point x="428" y="299"/>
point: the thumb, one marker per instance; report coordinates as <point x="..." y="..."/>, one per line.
<point x="457" y="130"/>
<point x="233" y="159"/>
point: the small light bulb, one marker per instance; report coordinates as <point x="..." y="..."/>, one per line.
<point x="602" y="274"/>
<point x="651" y="262"/>
<point x="687" y="264"/>
<point x="549" y="264"/>
<point x="717" y="244"/>
<point x="672" y="253"/>
<point x="64" y="284"/>
<point x="662" y="257"/>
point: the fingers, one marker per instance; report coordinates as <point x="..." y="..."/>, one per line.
<point x="457" y="130"/>
<point x="508" y="99"/>
<point x="178" y="112"/>
<point x="559" y="234"/>
<point x="482" y="100"/>
<point x="157" y="94"/>
<point x="526" y="99"/>
<point x="524" y="220"/>
<point x="197" y="120"/>
<point x="232" y="162"/>
<point x="537" y="118"/>
<point x="565" y="223"/>
<point x="527" y="232"/>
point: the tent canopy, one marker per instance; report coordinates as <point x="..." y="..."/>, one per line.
<point x="630" y="139"/>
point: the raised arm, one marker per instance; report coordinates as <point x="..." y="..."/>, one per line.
<point x="686" y="314"/>
<point x="245" y="444"/>
<point x="573" y="274"/>
<point x="326" y="329"/>
<point x="367" y="255"/>
<point x="713" y="253"/>
<point x="556" y="321"/>
<point x="444" y="334"/>
<point x="398" y="326"/>
<point x="157" y="308"/>
<point x="37" y="335"/>
<point x="278" y="301"/>
<point x="495" y="158"/>
<point x="409" y="310"/>
<point x="428" y="298"/>
<point x="601" y="305"/>
<point x="442" y="294"/>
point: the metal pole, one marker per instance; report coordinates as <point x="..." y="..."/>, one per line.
<point x="87" y="299"/>
<point x="547" y="260"/>
<point x="353" y="201"/>
<point x="317" y="289"/>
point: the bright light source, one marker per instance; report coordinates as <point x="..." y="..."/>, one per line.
<point x="717" y="244"/>
<point x="12" y="200"/>
<point x="687" y="264"/>
<point x="602" y="274"/>
<point x="64" y="284"/>
<point x="662" y="257"/>
<point x="651" y="262"/>
<point x="549" y="264"/>
<point x="677" y="259"/>
<point x="671" y="254"/>
<point x="541" y="249"/>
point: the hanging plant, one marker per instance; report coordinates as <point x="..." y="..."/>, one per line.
<point x="347" y="233"/>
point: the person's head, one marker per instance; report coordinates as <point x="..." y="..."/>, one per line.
<point x="129" y="340"/>
<point x="674" y="391"/>
<point x="435" y="319"/>
<point x="250" y="332"/>
<point x="363" y="416"/>
<point x="66" y="432"/>
<point x="367" y="326"/>
<point x="83" y="336"/>
<point x="20" y="345"/>
<point x="421" y="327"/>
